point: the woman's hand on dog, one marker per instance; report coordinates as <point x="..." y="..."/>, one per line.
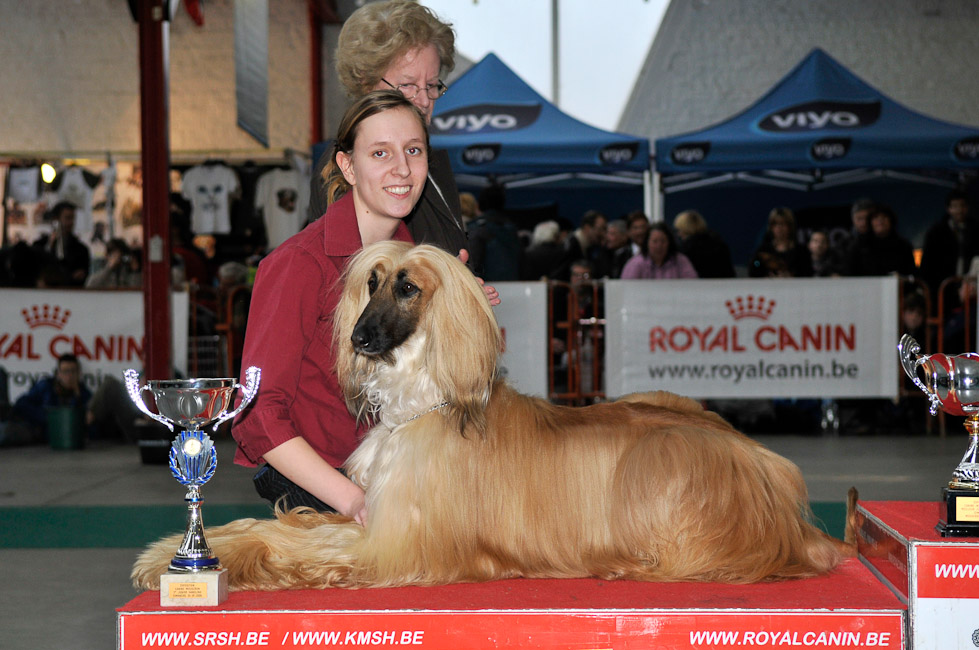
<point x="491" y="293"/>
<point x="361" y="515"/>
<point x="302" y="465"/>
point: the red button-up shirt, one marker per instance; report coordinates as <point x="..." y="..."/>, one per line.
<point x="290" y="338"/>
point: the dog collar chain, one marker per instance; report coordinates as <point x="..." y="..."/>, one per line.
<point x="418" y="415"/>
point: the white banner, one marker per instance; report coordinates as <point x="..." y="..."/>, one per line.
<point x="522" y="316"/>
<point x="104" y="329"/>
<point x="803" y="338"/>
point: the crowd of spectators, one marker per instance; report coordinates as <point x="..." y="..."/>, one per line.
<point x="60" y="259"/>
<point x="632" y="247"/>
<point x="628" y="247"/>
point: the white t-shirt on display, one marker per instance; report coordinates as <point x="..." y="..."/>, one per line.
<point x="24" y="183"/>
<point x="74" y="188"/>
<point x="209" y="189"/>
<point x="282" y="196"/>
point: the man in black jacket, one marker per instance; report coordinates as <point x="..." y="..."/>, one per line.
<point x="950" y="243"/>
<point x="65" y="252"/>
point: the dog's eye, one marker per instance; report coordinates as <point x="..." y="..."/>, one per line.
<point x="372" y="283"/>
<point x="408" y="289"/>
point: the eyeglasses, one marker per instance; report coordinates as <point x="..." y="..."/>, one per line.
<point x="410" y="91"/>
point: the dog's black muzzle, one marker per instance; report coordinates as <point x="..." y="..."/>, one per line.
<point x="367" y="339"/>
<point x="379" y="331"/>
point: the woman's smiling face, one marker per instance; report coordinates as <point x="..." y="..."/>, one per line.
<point x="388" y="166"/>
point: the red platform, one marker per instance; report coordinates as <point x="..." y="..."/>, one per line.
<point x="938" y="577"/>
<point x="847" y="609"/>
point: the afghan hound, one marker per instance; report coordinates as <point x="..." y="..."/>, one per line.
<point x="468" y="480"/>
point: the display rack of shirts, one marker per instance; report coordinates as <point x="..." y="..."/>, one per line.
<point x="209" y="188"/>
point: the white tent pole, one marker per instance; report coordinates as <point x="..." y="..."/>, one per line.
<point x="555" y="55"/>
<point x="652" y="197"/>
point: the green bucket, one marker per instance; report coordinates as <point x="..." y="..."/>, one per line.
<point x="65" y="429"/>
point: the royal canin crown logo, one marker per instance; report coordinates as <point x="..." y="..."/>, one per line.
<point x="758" y="307"/>
<point x="46" y="316"/>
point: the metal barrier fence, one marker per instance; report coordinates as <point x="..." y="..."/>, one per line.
<point x="216" y="330"/>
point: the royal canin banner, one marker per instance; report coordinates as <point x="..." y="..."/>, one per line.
<point x="104" y="329"/>
<point x="522" y="317"/>
<point x="753" y="338"/>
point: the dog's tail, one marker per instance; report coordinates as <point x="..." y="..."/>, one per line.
<point x="299" y="549"/>
<point x="824" y="551"/>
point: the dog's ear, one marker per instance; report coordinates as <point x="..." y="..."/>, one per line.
<point x="463" y="338"/>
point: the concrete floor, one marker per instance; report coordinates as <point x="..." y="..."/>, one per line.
<point x="66" y="598"/>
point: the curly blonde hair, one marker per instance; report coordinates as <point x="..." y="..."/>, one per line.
<point x="689" y="223"/>
<point x="379" y="32"/>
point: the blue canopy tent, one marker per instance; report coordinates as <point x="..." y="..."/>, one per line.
<point x="495" y="125"/>
<point x="820" y="126"/>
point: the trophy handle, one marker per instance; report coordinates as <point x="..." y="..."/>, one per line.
<point x="252" y="378"/>
<point x="132" y="385"/>
<point x="907" y="351"/>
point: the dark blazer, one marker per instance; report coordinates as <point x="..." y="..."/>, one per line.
<point x="871" y="255"/>
<point x="76" y="258"/>
<point x="709" y="254"/>
<point x="942" y="249"/>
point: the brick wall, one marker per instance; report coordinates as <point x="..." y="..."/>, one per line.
<point x="70" y="80"/>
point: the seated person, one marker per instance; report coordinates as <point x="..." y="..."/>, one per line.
<point x="661" y="260"/>
<point x="123" y="268"/>
<point x="112" y="414"/>
<point x="28" y="418"/>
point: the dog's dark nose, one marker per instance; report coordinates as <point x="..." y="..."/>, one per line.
<point x="361" y="338"/>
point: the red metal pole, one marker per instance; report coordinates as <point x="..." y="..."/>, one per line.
<point x="155" y="157"/>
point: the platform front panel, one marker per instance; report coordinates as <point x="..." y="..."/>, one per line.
<point x="426" y="630"/>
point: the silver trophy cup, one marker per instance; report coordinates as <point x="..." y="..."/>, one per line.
<point x="952" y="385"/>
<point x="191" y="405"/>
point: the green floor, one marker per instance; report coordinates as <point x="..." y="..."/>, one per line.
<point x="107" y="526"/>
<point x="136" y="526"/>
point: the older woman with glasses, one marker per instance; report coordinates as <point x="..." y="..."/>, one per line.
<point x="401" y="44"/>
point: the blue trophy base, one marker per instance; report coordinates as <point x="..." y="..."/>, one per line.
<point x="193" y="565"/>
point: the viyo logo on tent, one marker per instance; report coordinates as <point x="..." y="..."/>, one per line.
<point x="967" y="149"/>
<point x="830" y="148"/>
<point x="617" y="154"/>
<point x="813" y="116"/>
<point x="480" y="154"/>
<point x="485" y="118"/>
<point x="689" y="153"/>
